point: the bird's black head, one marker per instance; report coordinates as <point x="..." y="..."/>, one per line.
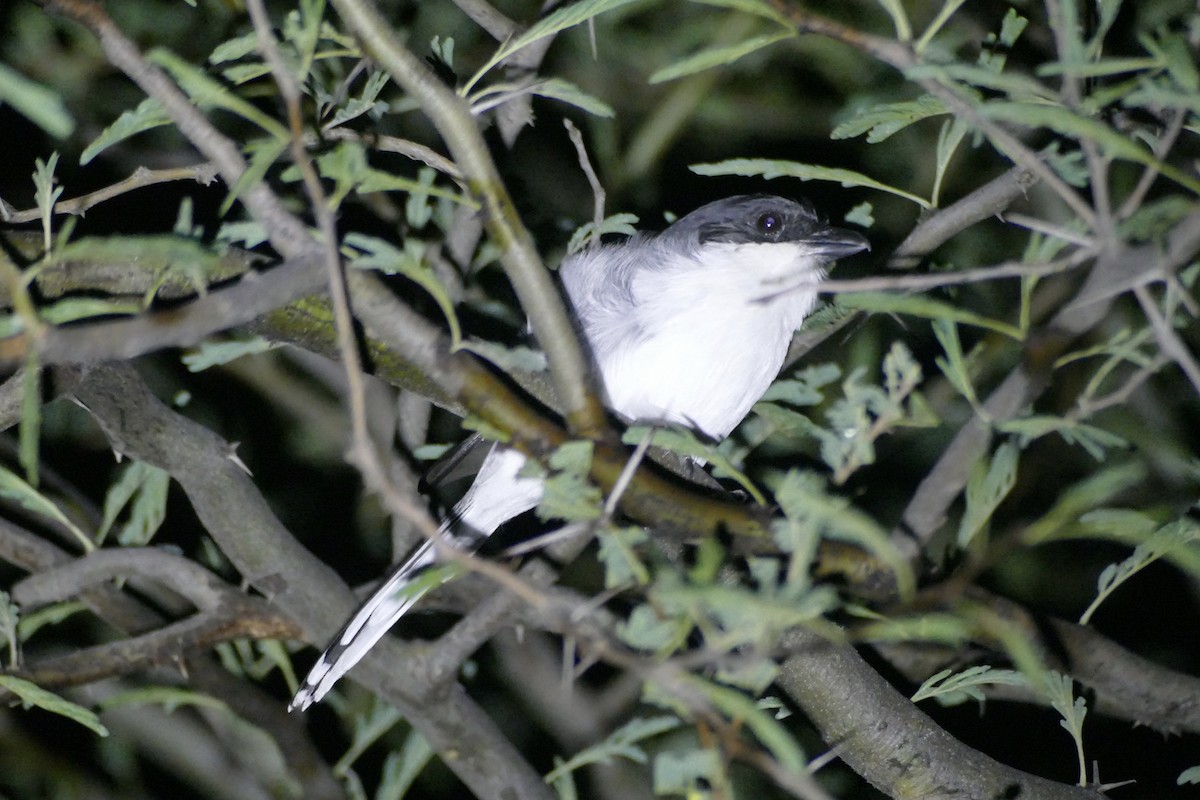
<point x="765" y="219"/>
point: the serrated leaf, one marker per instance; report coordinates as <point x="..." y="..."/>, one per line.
<point x="681" y="773"/>
<point x="645" y="630"/>
<point x="987" y="486"/>
<point x="684" y="443"/>
<point x="773" y="168"/>
<point x="717" y="56"/>
<point x="380" y="255"/>
<point x="364" y="102"/>
<point x="621" y="743"/>
<point x="1014" y="86"/>
<point x="1096" y="441"/>
<point x="953" y="688"/>
<point x="617" y="223"/>
<point x="148" y="115"/>
<point x="1161" y="543"/>
<point x="135" y="477"/>
<point x="567" y="494"/>
<point x="882" y="120"/>
<point x="32" y="695"/>
<point x="208" y="93"/>
<point x="621" y="564"/>
<point x="803" y="497"/>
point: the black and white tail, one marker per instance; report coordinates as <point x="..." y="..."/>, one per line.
<point x="497" y="495"/>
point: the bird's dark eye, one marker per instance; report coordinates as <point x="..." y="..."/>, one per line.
<point x="769" y="224"/>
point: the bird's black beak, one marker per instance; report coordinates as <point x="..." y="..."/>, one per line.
<point x="835" y="243"/>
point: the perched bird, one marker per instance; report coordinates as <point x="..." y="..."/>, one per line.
<point x="687" y="326"/>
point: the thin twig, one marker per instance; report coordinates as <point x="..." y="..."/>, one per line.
<point x="598" y="195"/>
<point x="1168" y="340"/>
<point x="142" y="176"/>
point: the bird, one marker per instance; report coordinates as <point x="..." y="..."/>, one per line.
<point x="688" y="326"/>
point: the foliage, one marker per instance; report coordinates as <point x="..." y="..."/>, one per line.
<point x="991" y="429"/>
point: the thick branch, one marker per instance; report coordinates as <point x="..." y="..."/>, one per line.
<point x="270" y="558"/>
<point x="887" y="740"/>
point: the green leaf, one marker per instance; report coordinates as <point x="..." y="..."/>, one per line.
<point x="401" y="767"/>
<point x="943" y="16"/>
<point x="47" y="194"/>
<point x="804" y="498"/>
<point x="738" y="707"/>
<point x="617" y="223"/>
<point x="72" y="309"/>
<point x="987" y="486"/>
<point x="919" y="305"/>
<point x="381" y="255"/>
<point x="759" y="8"/>
<point x="683" y="442"/>
<point x="12" y="487"/>
<point x="772" y="168"/>
<point x="39" y="104"/>
<point x="142" y="488"/>
<point x="263" y="155"/>
<point x="33" y="696"/>
<point x="569" y="93"/>
<point x="1162" y="542"/>
<point x="718" y="56"/>
<point x="621" y="563"/>
<point x="10" y="619"/>
<point x="621" y="743"/>
<point x="951" y="689"/>
<point x="52" y="614"/>
<point x="682" y="773"/>
<point x="882" y="120"/>
<point x="148" y="115"/>
<point x="1066" y="122"/>
<point x="29" y="432"/>
<point x="1099" y="69"/>
<point x="862" y="215"/>
<point x="1096" y="441"/>
<point x="169" y="697"/>
<point x="369" y="726"/>
<point x="567" y="493"/>
<point x="366" y="102"/>
<point x="1014" y="85"/>
<point x="1060" y="692"/>
<point x="208" y="93"/>
<point x="564" y="17"/>
<point x="215" y="352"/>
<point x="646" y="630"/>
